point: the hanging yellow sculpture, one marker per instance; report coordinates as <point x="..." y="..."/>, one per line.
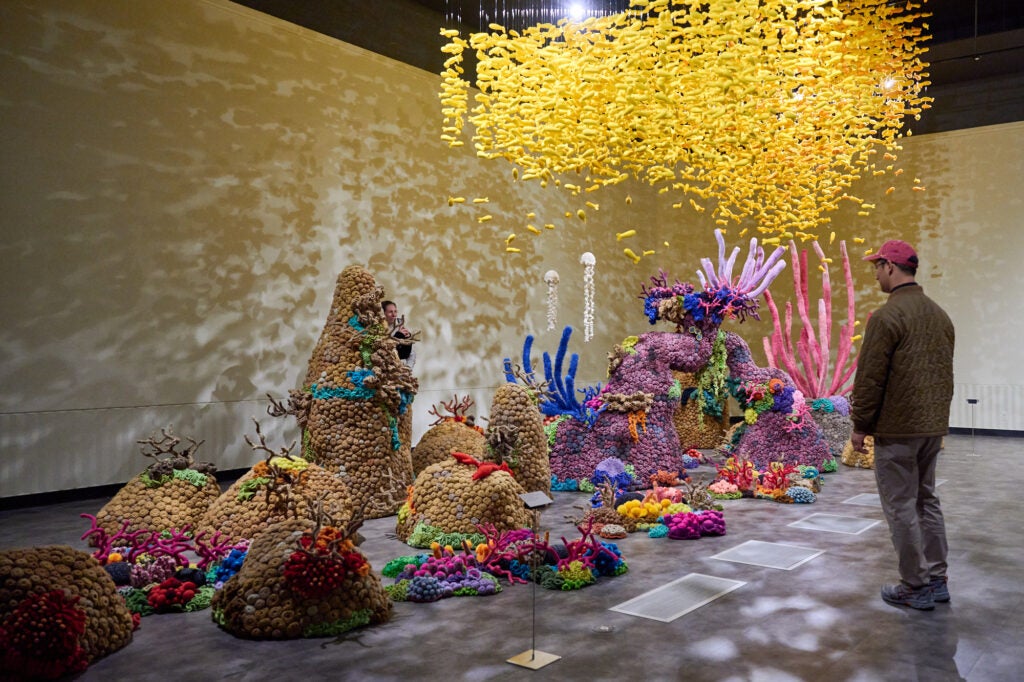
<point x="770" y="109"/>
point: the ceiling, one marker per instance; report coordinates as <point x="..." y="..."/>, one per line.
<point x="976" y="50"/>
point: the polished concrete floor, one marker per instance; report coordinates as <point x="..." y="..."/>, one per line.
<point x="822" y="620"/>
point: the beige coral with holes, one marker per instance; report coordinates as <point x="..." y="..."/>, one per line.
<point x="258" y="603"/>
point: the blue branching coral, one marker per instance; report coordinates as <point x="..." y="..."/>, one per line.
<point x="562" y="397"/>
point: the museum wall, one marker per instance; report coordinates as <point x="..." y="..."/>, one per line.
<point x="182" y="183"/>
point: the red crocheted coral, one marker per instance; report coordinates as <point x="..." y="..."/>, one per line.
<point x="171" y="595"/>
<point x="323" y="563"/>
<point x="40" y="638"/>
<point x="483" y="469"/>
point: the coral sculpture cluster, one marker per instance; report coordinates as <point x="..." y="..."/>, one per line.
<point x="161" y="571"/>
<point x="302" y="578"/>
<point x="174" y="491"/>
<point x="454" y="430"/>
<point x="59" y="612"/>
<point x="516" y="556"/>
<point x="354" y="405"/>
<point x="635" y="409"/>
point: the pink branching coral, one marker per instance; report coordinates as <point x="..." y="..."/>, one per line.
<point x="586" y="550"/>
<point x="175" y="544"/>
<point x="808" y="362"/>
<point x="501" y="547"/>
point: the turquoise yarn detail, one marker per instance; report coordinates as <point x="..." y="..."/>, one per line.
<point x="360" y="392"/>
<point x="807" y="471"/>
<point x="568" y="484"/>
<point x="822" y="405"/>
<point x="396" y="442"/>
<point x="405" y="400"/>
<point x="340" y="392"/>
<point x="354" y="323"/>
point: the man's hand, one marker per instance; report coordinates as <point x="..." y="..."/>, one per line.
<point x="857" y="439"/>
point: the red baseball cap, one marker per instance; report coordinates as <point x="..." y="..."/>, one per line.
<point x="896" y="252"/>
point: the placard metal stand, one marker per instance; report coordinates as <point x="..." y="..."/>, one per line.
<point x="531" y="658"/>
<point x="972" y="402"/>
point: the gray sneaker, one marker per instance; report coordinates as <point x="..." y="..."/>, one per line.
<point x="940" y="589"/>
<point x="901" y="595"/>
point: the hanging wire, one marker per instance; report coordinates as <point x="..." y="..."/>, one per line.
<point x="977" y="56"/>
<point x="517" y="15"/>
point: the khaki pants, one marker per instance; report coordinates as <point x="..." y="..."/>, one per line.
<point x="905" y="472"/>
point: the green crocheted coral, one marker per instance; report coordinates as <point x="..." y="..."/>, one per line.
<point x="361" y="617"/>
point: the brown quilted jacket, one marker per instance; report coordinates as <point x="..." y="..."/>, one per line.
<point x="904" y="382"/>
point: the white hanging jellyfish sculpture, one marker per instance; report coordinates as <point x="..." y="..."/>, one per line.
<point x="588" y="261"/>
<point x="551" y="278"/>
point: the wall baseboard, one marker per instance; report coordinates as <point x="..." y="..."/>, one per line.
<point x="1003" y="433"/>
<point x="225" y="478"/>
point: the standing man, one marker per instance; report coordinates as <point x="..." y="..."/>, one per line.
<point x="901" y="396"/>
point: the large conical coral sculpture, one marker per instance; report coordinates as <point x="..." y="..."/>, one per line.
<point x="355" y="402"/>
<point x="807" y="360"/>
<point x="636" y="406"/>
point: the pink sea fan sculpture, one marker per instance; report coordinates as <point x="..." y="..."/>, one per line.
<point x="808" y="360"/>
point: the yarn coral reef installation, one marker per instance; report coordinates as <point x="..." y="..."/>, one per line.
<point x="776" y="107"/>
